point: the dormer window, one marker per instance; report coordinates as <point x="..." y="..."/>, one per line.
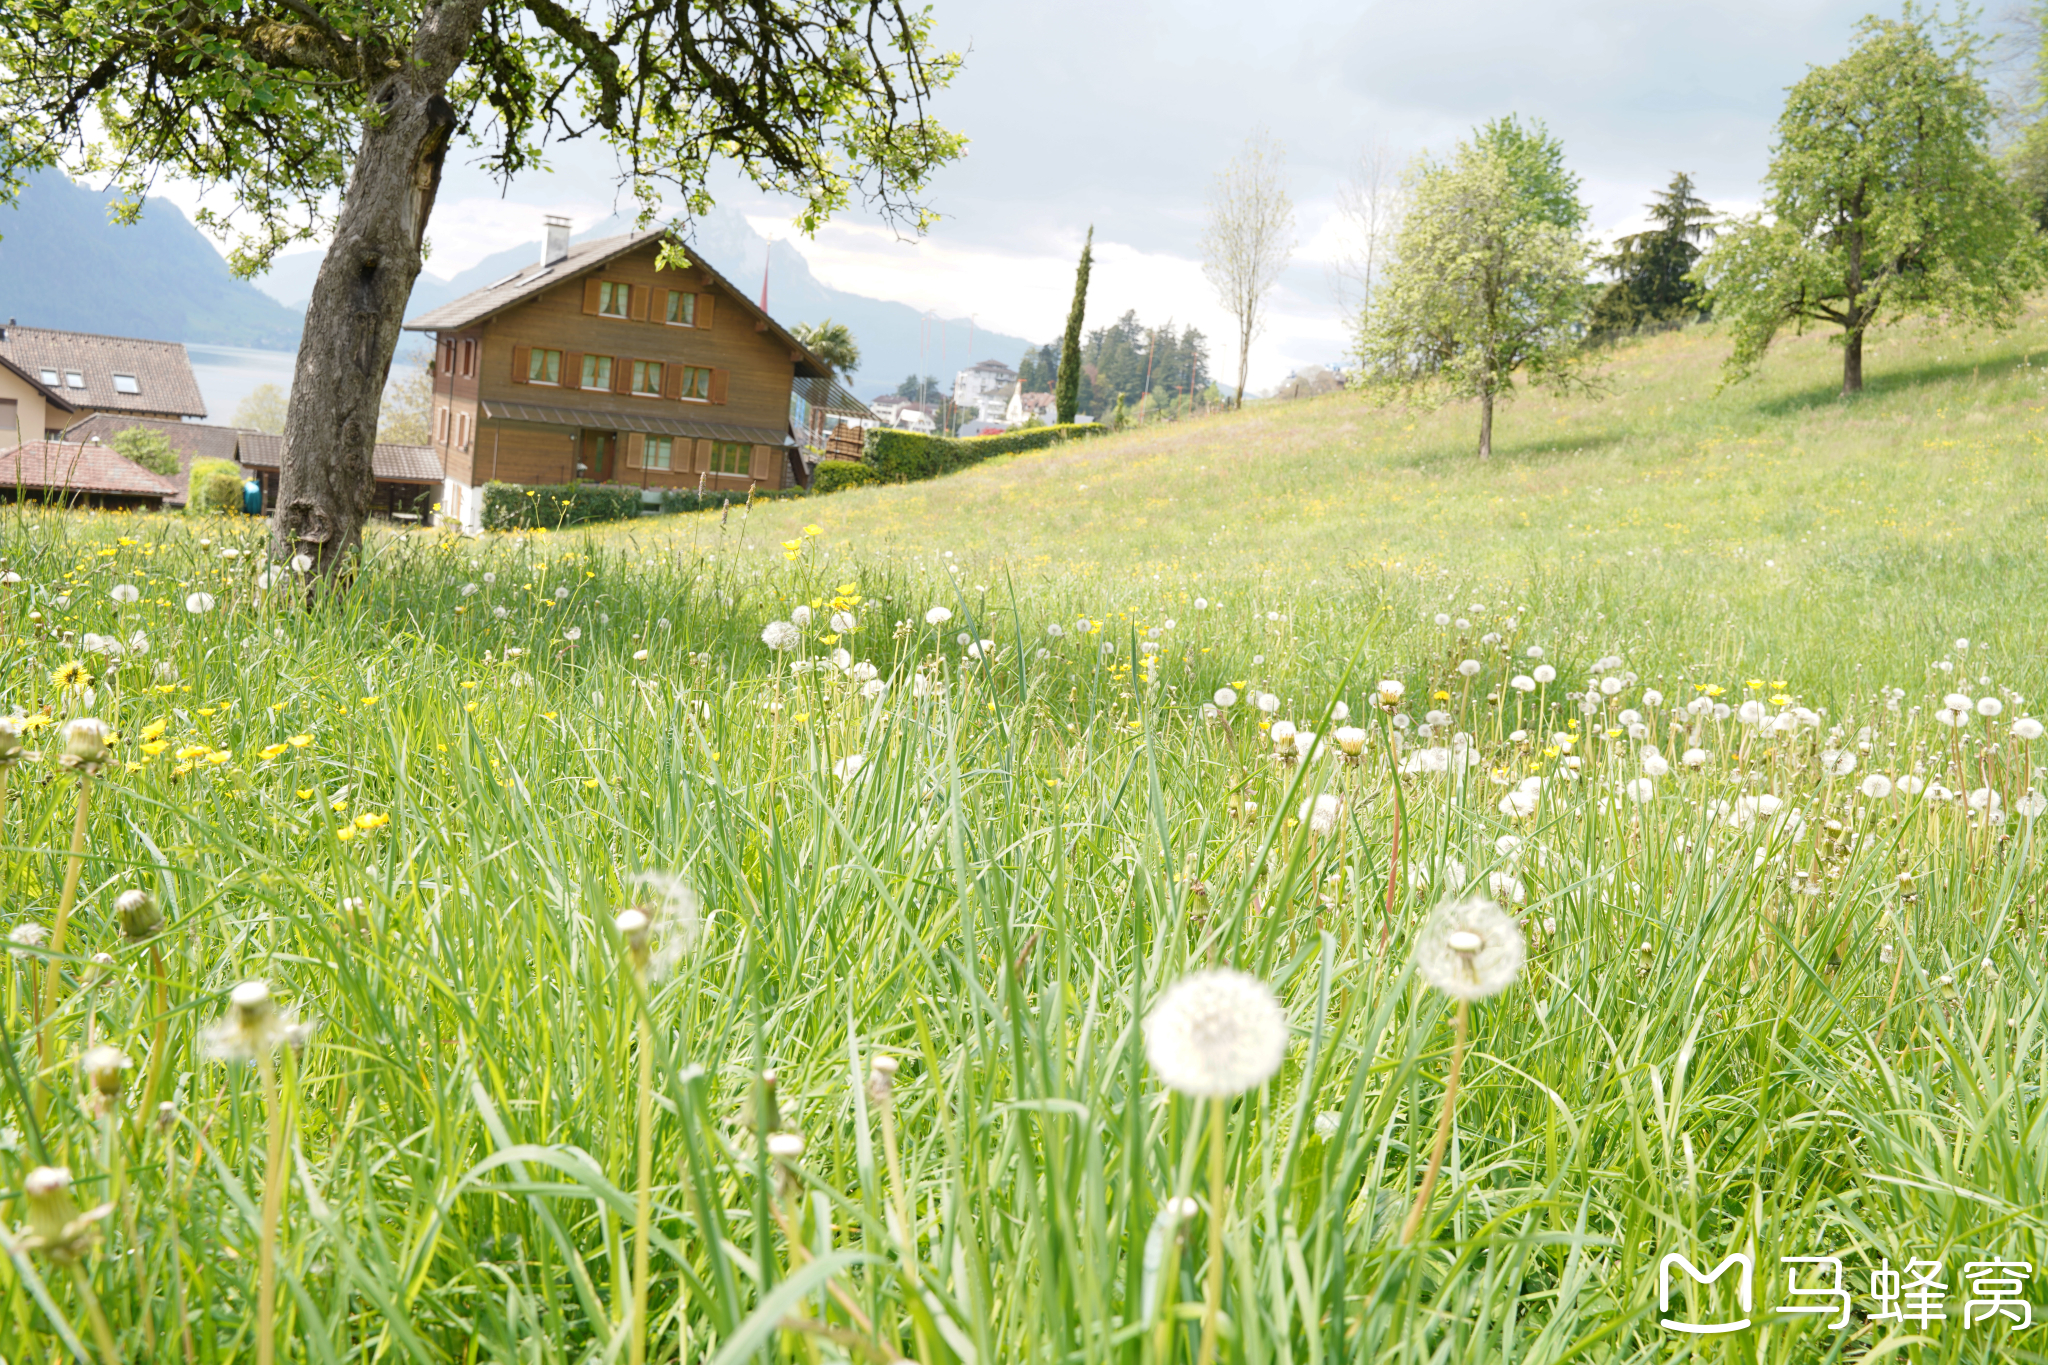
<point x="73" y="379"/>
<point x="125" y="383"/>
<point x="49" y="377"/>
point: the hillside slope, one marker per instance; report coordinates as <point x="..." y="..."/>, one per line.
<point x="63" y="264"/>
<point x="1919" y="507"/>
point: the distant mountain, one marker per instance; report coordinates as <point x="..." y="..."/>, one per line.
<point x="64" y="264"/>
<point x="888" y="333"/>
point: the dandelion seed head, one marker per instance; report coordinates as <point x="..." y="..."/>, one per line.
<point x="1469" y="949"/>
<point x="1216" y="1033"/>
<point x="780" y="635"/>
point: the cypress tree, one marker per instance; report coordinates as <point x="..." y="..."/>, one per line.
<point x="1067" y="396"/>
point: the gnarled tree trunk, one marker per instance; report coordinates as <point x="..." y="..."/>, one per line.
<point x="358" y="303"/>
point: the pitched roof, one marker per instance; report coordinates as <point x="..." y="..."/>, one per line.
<point x="389" y="460"/>
<point x="161" y="370"/>
<point x="583" y="258"/>
<point x="33" y="380"/>
<point x="78" y="468"/>
<point x="191" y="440"/>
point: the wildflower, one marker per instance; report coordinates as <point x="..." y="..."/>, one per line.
<point x="104" y="1069"/>
<point x="1837" y="762"/>
<point x="1522" y="682"/>
<point x="1327" y="1124"/>
<point x="301" y="563"/>
<point x="1909" y="785"/>
<point x="2026" y="728"/>
<point x="1506" y="887"/>
<point x="1521" y="803"/>
<point x="938" y="616"/>
<point x="27" y="936"/>
<point x="11" y="748"/>
<point x="2031" y="805"/>
<point x="199" y="603"/>
<point x="1956" y="710"/>
<point x="1876" y="786"/>
<point x="56" y="1227"/>
<point x="1642" y="790"/>
<point x="1350" y="739"/>
<point x="253" y="1028"/>
<point x="843" y="622"/>
<point x="1469" y="668"/>
<point x="72" y="674"/>
<point x="672" y="920"/>
<point x="1469" y="949"/>
<point x="1216" y="1033"/>
<point x="849" y="767"/>
<point x="1389" y="693"/>
<point x="1654" y="763"/>
<point x="1225" y="698"/>
<point x="1321" y="815"/>
<point x="137" y="911"/>
<point x="1694" y="758"/>
<point x="1544" y="674"/>
<point x="1268" y="702"/>
<point x="85" y="746"/>
<point x="780" y="636"/>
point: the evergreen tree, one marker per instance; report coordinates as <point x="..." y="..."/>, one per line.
<point x="1651" y="268"/>
<point x="1066" y="397"/>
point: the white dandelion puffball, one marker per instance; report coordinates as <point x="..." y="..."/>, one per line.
<point x="1694" y="758"/>
<point x="1321" y="815"/>
<point x="1652" y="697"/>
<point x="1340" y="712"/>
<point x="1642" y="790"/>
<point x="1350" y="739"/>
<point x="1470" y="668"/>
<point x="1522" y="682"/>
<point x="1282" y="734"/>
<point x="938" y="616"/>
<point x="842" y="622"/>
<point x="2031" y="805"/>
<point x="1268" y="702"/>
<point x="1655" y="764"/>
<point x="848" y="768"/>
<point x="1226" y="697"/>
<point x="780" y="635"/>
<point x="1469" y="949"/>
<point x="1216" y="1033"/>
<point x="1910" y="785"/>
<point x="1876" y="786"/>
<point x="1506" y="886"/>
<point x="1545" y="674"/>
<point x="124" y="593"/>
<point x="199" y="603"/>
<point x="1837" y="762"/>
<point x="1533" y="652"/>
<point x="2026" y="728"/>
<point x="1389" y="692"/>
<point x="1988" y="707"/>
<point x="1752" y="712"/>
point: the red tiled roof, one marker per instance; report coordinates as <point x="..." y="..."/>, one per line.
<point x="191" y="440"/>
<point x="76" y="468"/>
<point x="161" y="370"/>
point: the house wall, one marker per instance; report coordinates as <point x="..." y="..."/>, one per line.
<point x="29" y="414"/>
<point x="457" y="380"/>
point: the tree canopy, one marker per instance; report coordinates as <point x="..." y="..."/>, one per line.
<point x="832" y="342"/>
<point x="1487" y="277"/>
<point x="1652" y="270"/>
<point x="1882" y="200"/>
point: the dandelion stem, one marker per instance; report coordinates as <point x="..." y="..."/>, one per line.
<point x="146" y="1111"/>
<point x="72" y="867"/>
<point x="102" y="1332"/>
<point x="273" y="1206"/>
<point x="1443" y="1129"/>
<point x="1212" y="1297"/>
<point x="643" y="1199"/>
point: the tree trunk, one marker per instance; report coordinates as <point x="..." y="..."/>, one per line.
<point x="1244" y="363"/>
<point x="358" y="303"/>
<point x="1852" y="362"/>
<point x="1486" y="424"/>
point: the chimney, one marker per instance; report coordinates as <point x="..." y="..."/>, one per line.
<point x="557" y="244"/>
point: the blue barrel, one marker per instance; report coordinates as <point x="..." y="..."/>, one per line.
<point x="252" y="497"/>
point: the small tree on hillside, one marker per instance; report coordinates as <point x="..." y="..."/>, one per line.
<point x="1884" y="201"/>
<point x="1249" y="240"/>
<point x="1066" y="395"/>
<point x="1484" y="282"/>
<point x="1653" y="270"/>
<point x="262" y="409"/>
<point x="150" y="449"/>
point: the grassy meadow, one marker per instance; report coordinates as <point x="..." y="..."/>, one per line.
<point x="1725" y="698"/>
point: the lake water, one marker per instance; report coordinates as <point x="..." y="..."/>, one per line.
<point x="228" y="374"/>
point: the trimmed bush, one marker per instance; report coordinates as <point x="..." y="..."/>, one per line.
<point x="833" y="475"/>
<point x="508" y="507"/>
<point x="149" y="448"/>
<point x="214" y="486"/>
<point x="690" y="500"/>
<point x="907" y="457"/>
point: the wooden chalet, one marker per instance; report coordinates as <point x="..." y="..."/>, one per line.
<point x="595" y="365"/>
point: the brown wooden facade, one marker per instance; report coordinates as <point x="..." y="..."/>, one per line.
<point x="618" y="372"/>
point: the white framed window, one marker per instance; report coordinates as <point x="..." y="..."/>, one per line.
<point x="696" y="383"/>
<point x="462" y="431"/>
<point x="440" y="424"/>
<point x="125" y="383"/>
<point x="49" y="377"/>
<point x="660" y="452"/>
<point x="647" y="378"/>
<point x="614" y="300"/>
<point x="73" y="379"/>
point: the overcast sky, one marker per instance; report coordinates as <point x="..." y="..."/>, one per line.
<point x="1120" y="114"/>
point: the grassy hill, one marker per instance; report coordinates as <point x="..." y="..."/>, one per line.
<point x="1779" y="517"/>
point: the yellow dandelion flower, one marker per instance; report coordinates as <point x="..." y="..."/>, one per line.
<point x="72" y="674"/>
<point x="368" y="821"/>
<point x="299" y="741"/>
<point x="155" y="728"/>
<point x="345" y="833"/>
<point x="305" y="793"/>
<point x="193" y="751"/>
<point x="218" y="756"/>
<point x="181" y="770"/>
<point x="153" y="748"/>
<point x="270" y="751"/>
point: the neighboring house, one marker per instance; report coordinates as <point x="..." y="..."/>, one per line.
<point x="1022" y="407"/>
<point x="976" y="426"/>
<point x="190" y="440"/>
<point x="983" y="386"/>
<point x="408" y="479"/>
<point x="78" y="473"/>
<point x="885" y="408"/>
<point x="50" y="379"/>
<point x="594" y="365"/>
<point x="922" y="417"/>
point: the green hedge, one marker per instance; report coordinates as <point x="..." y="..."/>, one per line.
<point x="508" y="507"/>
<point x="833" y="475"/>
<point x="906" y="457"/>
<point x="690" y="500"/>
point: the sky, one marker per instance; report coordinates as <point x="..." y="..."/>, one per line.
<point x="1120" y="115"/>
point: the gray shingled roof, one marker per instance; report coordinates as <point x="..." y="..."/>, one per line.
<point x="584" y="257"/>
<point x="161" y="369"/>
<point x="191" y="440"/>
<point x="75" y="468"/>
<point x="389" y="460"/>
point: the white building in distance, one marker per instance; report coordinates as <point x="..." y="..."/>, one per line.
<point x="986" y="386"/>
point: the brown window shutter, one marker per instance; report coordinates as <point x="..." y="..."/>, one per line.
<point x="704" y="310"/>
<point x="638" y="306"/>
<point x="522" y="363"/>
<point x="701" y="461"/>
<point x="718" y="386"/>
<point x="622" y="374"/>
<point x="672" y="382"/>
<point x="590" y="294"/>
<point x="572" y="369"/>
<point x="764" y="465"/>
<point x="636" y="448"/>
